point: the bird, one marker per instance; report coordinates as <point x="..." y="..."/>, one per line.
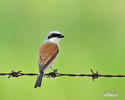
<point x="47" y="54"/>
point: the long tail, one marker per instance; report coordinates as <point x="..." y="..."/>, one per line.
<point x="39" y="80"/>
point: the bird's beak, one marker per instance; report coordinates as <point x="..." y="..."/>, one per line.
<point x="61" y="36"/>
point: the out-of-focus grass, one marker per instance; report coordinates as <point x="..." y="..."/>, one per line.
<point x="94" y="38"/>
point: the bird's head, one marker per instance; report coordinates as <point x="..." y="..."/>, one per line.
<point x="54" y="37"/>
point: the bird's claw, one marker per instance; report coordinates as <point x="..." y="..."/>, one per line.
<point x="52" y="74"/>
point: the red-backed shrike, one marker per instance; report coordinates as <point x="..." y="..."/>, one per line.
<point x="47" y="54"/>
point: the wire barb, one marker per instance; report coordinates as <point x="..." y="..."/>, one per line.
<point x="14" y="74"/>
<point x="94" y="75"/>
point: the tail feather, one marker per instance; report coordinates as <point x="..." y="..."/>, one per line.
<point x="39" y="80"/>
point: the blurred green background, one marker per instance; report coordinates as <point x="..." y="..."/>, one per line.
<point x="94" y="38"/>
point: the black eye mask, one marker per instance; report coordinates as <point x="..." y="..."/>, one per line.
<point x="55" y="35"/>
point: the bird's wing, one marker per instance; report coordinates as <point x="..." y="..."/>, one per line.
<point x="46" y="55"/>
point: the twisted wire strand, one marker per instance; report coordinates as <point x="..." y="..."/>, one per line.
<point x="93" y="75"/>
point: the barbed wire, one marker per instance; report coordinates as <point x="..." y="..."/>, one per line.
<point x="93" y="75"/>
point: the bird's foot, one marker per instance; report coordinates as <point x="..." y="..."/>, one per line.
<point x="52" y="74"/>
<point x="54" y="70"/>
